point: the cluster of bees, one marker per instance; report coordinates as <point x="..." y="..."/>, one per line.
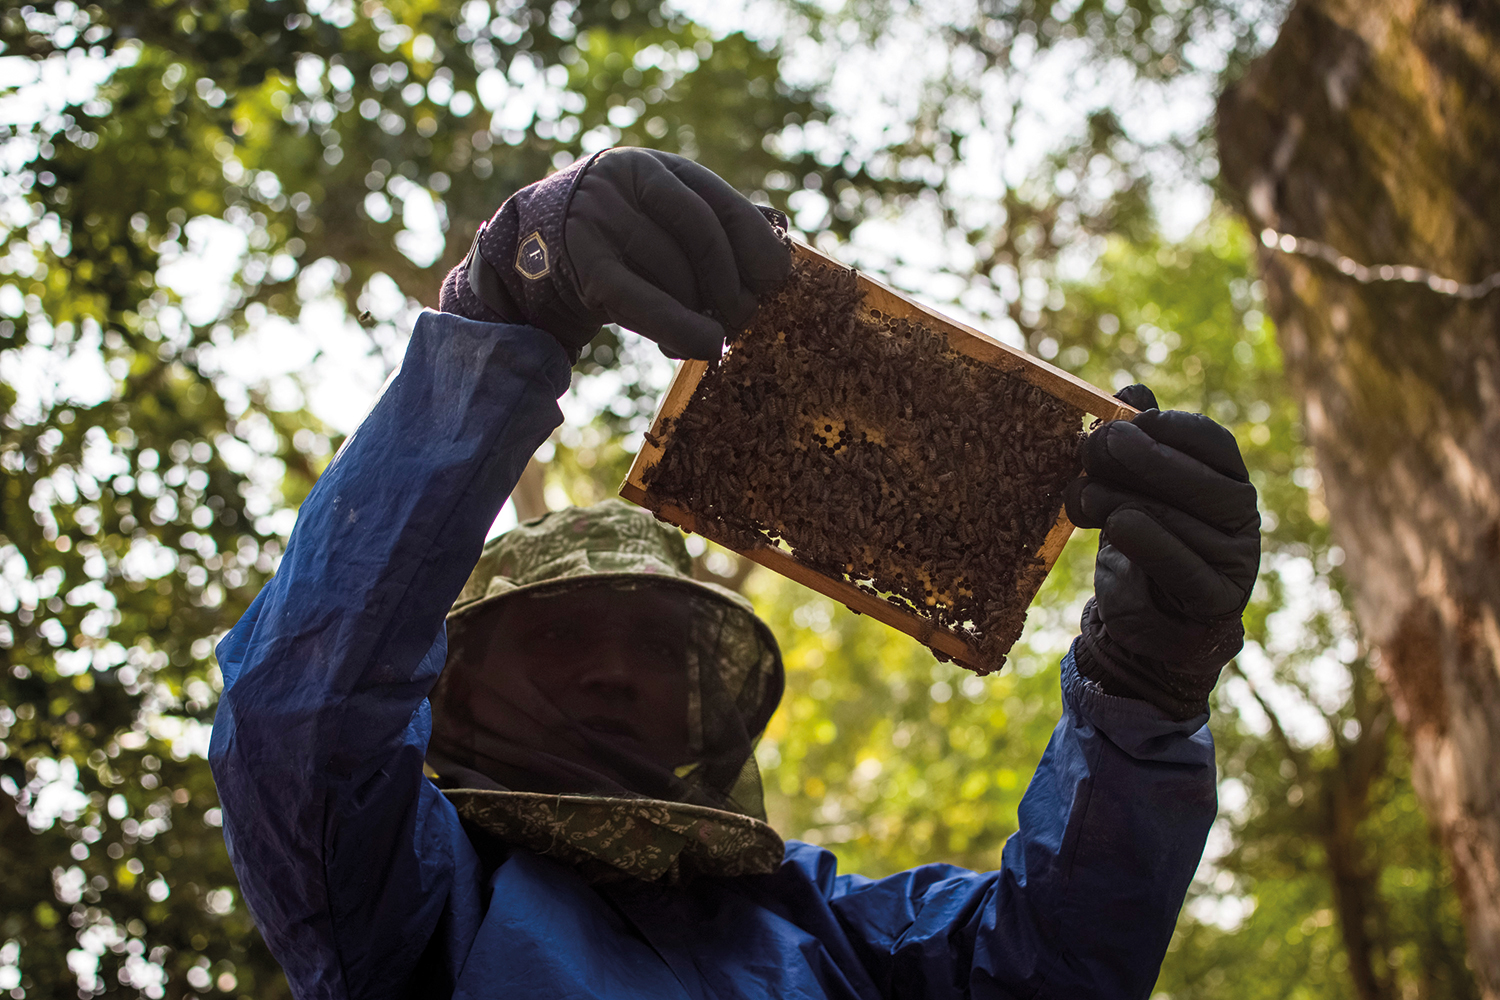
<point x="877" y="455"/>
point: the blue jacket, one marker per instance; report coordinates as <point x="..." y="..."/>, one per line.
<point x="364" y="884"/>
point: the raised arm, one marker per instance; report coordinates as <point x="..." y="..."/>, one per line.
<point x="1113" y="824"/>
<point x="346" y="855"/>
<point x="1111" y="830"/>
<point x="355" y="866"/>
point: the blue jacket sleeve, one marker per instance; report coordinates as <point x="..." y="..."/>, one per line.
<point x="350" y="860"/>
<point x="1111" y="831"/>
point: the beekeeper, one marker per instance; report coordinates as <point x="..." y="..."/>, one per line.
<point x="534" y="776"/>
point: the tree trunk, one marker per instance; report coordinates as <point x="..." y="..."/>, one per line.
<point x="1355" y="879"/>
<point x="1373" y="126"/>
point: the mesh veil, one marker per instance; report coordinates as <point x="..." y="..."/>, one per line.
<point x="496" y="728"/>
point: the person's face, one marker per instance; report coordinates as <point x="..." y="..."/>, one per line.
<point x="613" y="661"/>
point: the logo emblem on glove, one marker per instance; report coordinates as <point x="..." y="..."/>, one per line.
<point x="531" y="257"/>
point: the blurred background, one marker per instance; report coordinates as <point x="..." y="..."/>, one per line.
<point x="218" y="219"/>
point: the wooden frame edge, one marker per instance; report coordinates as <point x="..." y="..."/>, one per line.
<point x="945" y="641"/>
<point x="679" y="392"/>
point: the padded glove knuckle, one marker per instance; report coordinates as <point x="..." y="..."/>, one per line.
<point x="1093" y="454"/>
<point x="1075" y="504"/>
<point x="1197" y="436"/>
<point x="1138" y="396"/>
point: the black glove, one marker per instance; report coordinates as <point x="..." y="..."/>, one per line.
<point x="1178" y="553"/>
<point x="649" y="240"/>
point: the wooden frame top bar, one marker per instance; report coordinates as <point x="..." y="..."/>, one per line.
<point x="982" y="347"/>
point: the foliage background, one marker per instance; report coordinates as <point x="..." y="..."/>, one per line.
<point x="218" y="218"/>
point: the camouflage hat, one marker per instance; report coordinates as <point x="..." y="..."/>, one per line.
<point x="582" y="546"/>
<point x="612" y="541"/>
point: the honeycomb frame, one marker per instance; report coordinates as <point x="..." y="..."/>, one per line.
<point x="878" y="306"/>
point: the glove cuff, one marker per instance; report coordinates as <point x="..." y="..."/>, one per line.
<point x="518" y="270"/>
<point x="1179" y="689"/>
<point x="458" y="298"/>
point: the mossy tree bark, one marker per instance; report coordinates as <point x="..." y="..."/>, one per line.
<point x="1373" y="126"/>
